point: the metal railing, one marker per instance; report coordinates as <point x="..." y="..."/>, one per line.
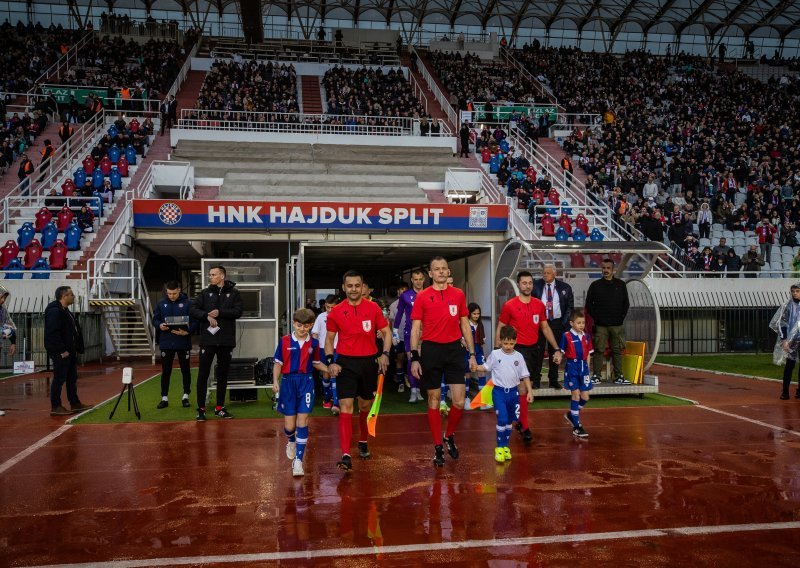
<point x="30" y="98"/>
<point x="490" y="190"/>
<point x="448" y="109"/>
<point x="454" y="190"/>
<point x="41" y="181"/>
<point x="36" y="203"/>
<point x="141" y="28"/>
<point x="418" y="91"/>
<point x="184" y="72"/>
<point x="575" y="190"/>
<point x="520" y="226"/>
<point x="540" y="89"/>
<point x="130" y="285"/>
<point x="252" y="121"/>
<point x="64" y="62"/>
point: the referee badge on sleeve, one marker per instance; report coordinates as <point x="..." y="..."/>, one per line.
<point x="366" y="324"/>
<point x="453" y="310"/>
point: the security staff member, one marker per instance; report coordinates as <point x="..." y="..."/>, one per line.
<point x="558" y="300"/>
<point x="439" y="319"/>
<point x="217" y="307"/>
<point x="174" y="340"/>
<point x="527" y="315"/>
<point x="355" y="368"/>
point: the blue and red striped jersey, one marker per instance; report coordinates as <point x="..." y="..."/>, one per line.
<point x="576" y="346"/>
<point x="295" y="358"/>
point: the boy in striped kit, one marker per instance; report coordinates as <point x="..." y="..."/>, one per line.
<point x="577" y="347"/>
<point x="295" y="357"/>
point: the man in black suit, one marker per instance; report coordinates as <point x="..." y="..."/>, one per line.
<point x="559" y="302"/>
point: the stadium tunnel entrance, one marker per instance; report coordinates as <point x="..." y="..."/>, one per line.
<point x="276" y="274"/>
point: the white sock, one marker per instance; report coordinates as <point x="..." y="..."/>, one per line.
<point x="165" y="399"/>
<point x="185" y="396"/>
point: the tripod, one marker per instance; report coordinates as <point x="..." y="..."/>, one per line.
<point x="131" y="395"/>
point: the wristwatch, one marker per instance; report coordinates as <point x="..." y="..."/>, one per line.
<point x="472" y="354"/>
<point x="385" y="353"/>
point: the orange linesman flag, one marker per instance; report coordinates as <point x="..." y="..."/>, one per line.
<point x="484" y="398"/>
<point x="372" y="417"/>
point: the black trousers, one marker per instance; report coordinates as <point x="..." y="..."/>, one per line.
<point x="207" y="354"/>
<point x="65" y="371"/>
<point x="552" y="371"/>
<point x="787" y="375"/>
<point x="167" y="356"/>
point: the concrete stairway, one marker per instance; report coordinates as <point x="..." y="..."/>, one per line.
<point x="318" y="172"/>
<point x="9" y="180"/>
<point x="557" y="152"/>
<point x="311" y="94"/>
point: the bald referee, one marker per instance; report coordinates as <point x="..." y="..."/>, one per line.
<point x="356" y="322"/>
<point x="439" y="320"/>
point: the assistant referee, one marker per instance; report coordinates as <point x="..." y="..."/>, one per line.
<point x="356" y="322"/>
<point x="439" y="319"/>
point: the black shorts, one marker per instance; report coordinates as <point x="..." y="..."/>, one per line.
<point x="441" y="362"/>
<point x="532" y="354"/>
<point x="358" y="377"/>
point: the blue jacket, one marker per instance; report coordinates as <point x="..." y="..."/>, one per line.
<point x="166" y="308"/>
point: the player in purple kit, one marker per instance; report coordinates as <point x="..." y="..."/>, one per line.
<point x="577" y="347"/>
<point x="295" y="357"/>
<point x="402" y="321"/>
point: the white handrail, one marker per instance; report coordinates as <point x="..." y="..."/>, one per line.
<point x="311" y="123"/>
<point x="418" y="91"/>
<point x="437" y="92"/>
<point x="63" y="63"/>
<point x="187" y="66"/>
<point x="544" y="92"/>
<point x="63" y="158"/>
<point x="490" y="189"/>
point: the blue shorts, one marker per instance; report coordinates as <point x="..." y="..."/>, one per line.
<point x="577" y="376"/>
<point x="478" y="358"/>
<point x="506" y="404"/>
<point x="296" y="395"/>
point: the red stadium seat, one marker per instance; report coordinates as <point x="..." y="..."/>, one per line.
<point x="33" y="252"/>
<point x="8" y="252"/>
<point x="548" y="225"/>
<point x="64" y="219"/>
<point x="566" y="222"/>
<point x="58" y="255"/>
<point x="582" y="223"/>
<point x="43" y="218"/>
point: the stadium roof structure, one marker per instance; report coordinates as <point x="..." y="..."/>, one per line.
<point x="704" y="17"/>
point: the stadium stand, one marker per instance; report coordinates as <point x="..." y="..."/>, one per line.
<point x="248" y="87"/>
<point x="371" y="92"/>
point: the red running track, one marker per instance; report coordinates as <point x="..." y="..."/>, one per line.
<point x="661" y="486"/>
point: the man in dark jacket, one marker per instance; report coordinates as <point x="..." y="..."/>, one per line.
<point x="607" y="303"/>
<point x="557" y="297"/>
<point x="172" y="322"/>
<point x="63" y="341"/>
<point x="217" y="308"/>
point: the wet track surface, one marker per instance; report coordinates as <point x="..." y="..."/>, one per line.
<point x="186" y="491"/>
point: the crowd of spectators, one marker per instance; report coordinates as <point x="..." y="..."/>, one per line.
<point x="26" y="51"/>
<point x="140" y="69"/>
<point x="686" y="145"/>
<point x="248" y="86"/>
<point x="370" y="92"/>
<point x="470" y="79"/>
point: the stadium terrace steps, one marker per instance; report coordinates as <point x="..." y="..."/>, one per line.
<point x="9" y="180"/>
<point x="252" y="170"/>
<point x="311" y="93"/>
<point x="557" y="152"/>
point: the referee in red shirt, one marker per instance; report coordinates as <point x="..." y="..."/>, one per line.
<point x="356" y="369"/>
<point x="528" y="316"/>
<point x="439" y="319"/>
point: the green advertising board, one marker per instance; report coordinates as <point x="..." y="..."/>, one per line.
<point x="62" y="93"/>
<point x="501" y="113"/>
